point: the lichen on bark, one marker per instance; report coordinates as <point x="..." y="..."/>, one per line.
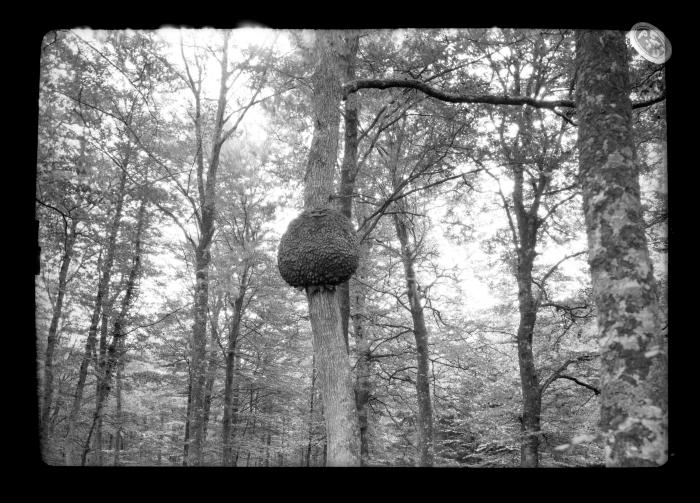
<point x="633" y="376"/>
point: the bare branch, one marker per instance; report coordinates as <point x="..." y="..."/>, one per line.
<point x="451" y="97"/>
<point x="558" y="372"/>
<point x="580" y="383"/>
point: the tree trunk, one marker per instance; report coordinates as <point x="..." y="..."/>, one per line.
<point x="115" y="351"/>
<point x="311" y="410"/>
<point x="102" y="294"/>
<point x="211" y="372"/>
<point x="186" y="440"/>
<point x="634" y="394"/>
<point x="348" y="169"/>
<point x="56" y="409"/>
<point x="199" y="345"/>
<point x="332" y="361"/>
<point x="363" y="366"/>
<point x="335" y="380"/>
<point x="526" y="222"/>
<point x="362" y="387"/>
<point x="529" y="384"/>
<point x="268" y="441"/>
<point x="52" y="337"/>
<point x="101" y="365"/>
<point x="230" y="408"/>
<point x="118" y="415"/>
<point x="420" y="332"/>
<point x="206" y="221"/>
<point x="525" y="232"/>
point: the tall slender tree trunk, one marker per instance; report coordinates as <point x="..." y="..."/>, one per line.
<point x="52" y="337"/>
<point x="525" y="231"/>
<point x="362" y="386"/>
<point x="363" y="383"/>
<point x="115" y="350"/>
<point x="56" y="409"/>
<point x="206" y="221"/>
<point x="420" y="332"/>
<point x="186" y="439"/>
<point x="348" y="168"/>
<point x="102" y="294"/>
<point x="212" y="363"/>
<point x="199" y="344"/>
<point x="268" y="441"/>
<point x="332" y="361"/>
<point x="408" y="256"/>
<point x="101" y="366"/>
<point x="230" y="408"/>
<point x="118" y="415"/>
<point x="634" y="389"/>
<point x="529" y="383"/>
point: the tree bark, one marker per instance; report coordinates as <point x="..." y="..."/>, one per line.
<point x="211" y="369"/>
<point x="101" y="365"/>
<point x="333" y="364"/>
<point x="335" y="380"/>
<point x="364" y="358"/>
<point x="186" y="439"/>
<point x="231" y="404"/>
<point x="348" y="168"/>
<point x="52" y="338"/>
<point x="526" y="228"/>
<point x="531" y="397"/>
<point x="634" y="389"/>
<point x="102" y="294"/>
<point x="118" y="415"/>
<point x="199" y="344"/>
<point x="311" y="410"/>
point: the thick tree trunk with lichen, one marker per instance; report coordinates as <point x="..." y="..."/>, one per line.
<point x="332" y="361"/>
<point x="634" y="365"/>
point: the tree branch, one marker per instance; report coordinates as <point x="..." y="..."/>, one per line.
<point x="557" y="373"/>
<point x="450" y="97"/>
<point x="580" y="383"/>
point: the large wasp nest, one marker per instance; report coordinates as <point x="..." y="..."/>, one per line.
<point x="319" y="249"/>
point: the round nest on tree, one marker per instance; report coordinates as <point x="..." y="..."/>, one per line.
<point x="319" y="248"/>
